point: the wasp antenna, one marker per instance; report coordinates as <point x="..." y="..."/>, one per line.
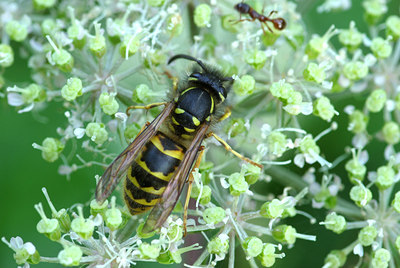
<point x="187" y="57"/>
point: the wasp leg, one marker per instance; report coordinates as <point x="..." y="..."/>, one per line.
<point x="174" y="79"/>
<point x="190" y="181"/>
<point x="226" y="115"/>
<point x="229" y="149"/>
<point x="150" y="106"/>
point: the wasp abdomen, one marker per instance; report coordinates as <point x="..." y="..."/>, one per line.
<point x="150" y="173"/>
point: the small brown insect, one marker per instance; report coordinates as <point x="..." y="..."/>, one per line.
<point x="243" y="8"/>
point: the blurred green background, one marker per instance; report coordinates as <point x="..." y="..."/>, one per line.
<point x="23" y="172"/>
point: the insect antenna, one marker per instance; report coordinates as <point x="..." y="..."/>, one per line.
<point x="199" y="62"/>
<point x="187" y="57"/>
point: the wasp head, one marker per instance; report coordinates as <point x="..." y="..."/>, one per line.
<point x="209" y="78"/>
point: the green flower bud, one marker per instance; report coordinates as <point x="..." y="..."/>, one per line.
<point x="149" y="251"/>
<point x="175" y="232"/>
<point x="335" y="223"/>
<point x="385" y="177"/>
<point x="289" y="212"/>
<point x="76" y="32"/>
<point x="235" y="127"/>
<point x="113" y="216"/>
<point x="318" y="45"/>
<point x="396" y="202"/>
<point x="294" y="98"/>
<point x="228" y="23"/>
<point x="108" y="103"/>
<point x="360" y="195"/>
<point x="219" y="245"/>
<point x="63" y="219"/>
<point x="132" y="131"/>
<point x="381" y="48"/>
<point x="46" y="226"/>
<point x="281" y="90"/>
<point x="155" y="3"/>
<point x="374" y="9"/>
<point x="295" y="36"/>
<point x="24" y="252"/>
<point x="238" y="184"/>
<point x="97" y="44"/>
<point x="213" y="215"/>
<point x="83" y="227"/>
<point x="398" y="242"/>
<point x="355" y="70"/>
<point x="276" y="142"/>
<point x="174" y="24"/>
<point x="72" y="89"/>
<point x="393" y="27"/>
<point x="314" y="73"/>
<point x="253" y="246"/>
<point x="324" y="196"/>
<point x="6" y="55"/>
<point x="155" y="58"/>
<point x="323" y="108"/>
<point x="367" y="235"/>
<point x="63" y="60"/>
<point x="269" y="38"/>
<point x="205" y="194"/>
<point x="43" y="4"/>
<point x="335" y="259"/>
<point x="358" y="122"/>
<point x="284" y="234"/>
<point x="202" y="15"/>
<point x="142" y="94"/>
<point x="315" y="47"/>
<point x="33" y="93"/>
<point x="245" y="85"/>
<point x="391" y="132"/>
<point x="356" y="170"/>
<point x="256" y="59"/>
<point x="97" y="132"/>
<point x="272" y="209"/>
<point x="308" y="145"/>
<point x="267" y="255"/>
<point x="251" y="173"/>
<point x="376" y="100"/>
<point x="49" y="27"/>
<point x="16" y="30"/>
<point x="70" y="256"/>
<point x="96" y="208"/>
<point x="206" y="168"/>
<point x="51" y="149"/>
<point x="170" y="257"/>
<point x="351" y="38"/>
<point x="129" y="46"/>
<point x="380" y="258"/>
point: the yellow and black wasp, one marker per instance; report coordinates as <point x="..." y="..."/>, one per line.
<point x="157" y="163"/>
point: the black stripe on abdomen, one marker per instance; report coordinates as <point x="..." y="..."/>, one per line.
<point x="157" y="161"/>
<point x="146" y="179"/>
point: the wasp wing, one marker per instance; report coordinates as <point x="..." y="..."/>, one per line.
<point x="167" y="202"/>
<point x="116" y="171"/>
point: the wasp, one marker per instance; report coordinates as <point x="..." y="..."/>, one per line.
<point x="243" y="8"/>
<point x="157" y="164"/>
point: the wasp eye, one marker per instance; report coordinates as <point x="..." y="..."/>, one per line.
<point x="195" y="75"/>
